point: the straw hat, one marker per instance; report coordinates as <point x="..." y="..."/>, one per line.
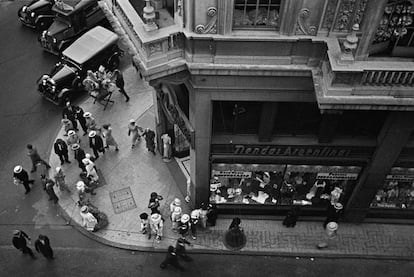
<point x="87" y="114"/>
<point x="84" y="209"/>
<point x="177" y="210"/>
<point x="338" y="206"/>
<point x="156" y="218"/>
<point x="71" y="132"/>
<point x="75" y="146"/>
<point x="58" y="169"/>
<point x="18" y="169"/>
<point x="177" y="202"/>
<point x="185" y="218"/>
<point x="92" y="134"/>
<point x="332" y="226"/>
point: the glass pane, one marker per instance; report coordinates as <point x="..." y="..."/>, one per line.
<point x="256" y="13"/>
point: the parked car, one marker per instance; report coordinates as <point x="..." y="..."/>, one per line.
<point x="96" y="47"/>
<point x="37" y="14"/>
<point x="73" y="18"/>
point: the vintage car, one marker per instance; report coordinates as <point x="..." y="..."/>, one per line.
<point x="96" y="47"/>
<point x="73" y="18"/>
<point x="37" y="14"/>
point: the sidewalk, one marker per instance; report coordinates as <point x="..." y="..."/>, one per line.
<point x="130" y="175"/>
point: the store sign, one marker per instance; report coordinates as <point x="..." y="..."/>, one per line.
<point x="174" y="114"/>
<point x="291" y="151"/>
<point x="336" y="176"/>
<point x="232" y="174"/>
<point x="400" y="177"/>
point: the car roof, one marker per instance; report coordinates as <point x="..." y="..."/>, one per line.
<point x="68" y="7"/>
<point x="89" y="44"/>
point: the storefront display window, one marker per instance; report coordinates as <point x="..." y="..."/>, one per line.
<point x="280" y="184"/>
<point x="397" y="191"/>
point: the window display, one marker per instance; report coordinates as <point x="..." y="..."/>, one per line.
<point x="281" y="184"/>
<point x="255" y="13"/>
<point x="397" y="190"/>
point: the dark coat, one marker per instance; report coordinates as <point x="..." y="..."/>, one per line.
<point x="96" y="142"/>
<point x="60" y="147"/>
<point x="69" y="114"/>
<point x="44" y="247"/>
<point x="23" y="176"/>
<point x="19" y="241"/>
<point x="79" y="155"/>
<point x="79" y="115"/>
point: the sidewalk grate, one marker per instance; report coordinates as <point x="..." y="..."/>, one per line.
<point x="122" y="200"/>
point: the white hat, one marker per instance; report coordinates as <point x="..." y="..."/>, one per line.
<point x="87" y="114"/>
<point x="185" y="218"/>
<point x="88" y="156"/>
<point x="16" y="232"/>
<point x="132" y="121"/>
<point x="75" y="146"/>
<point x="84" y="209"/>
<point x="71" y="133"/>
<point x="195" y="214"/>
<point x="80" y="185"/>
<point x="156" y="218"/>
<point x="177" y="210"/>
<point x="18" y="169"/>
<point x="177" y="202"/>
<point x="338" y="206"/>
<point x="332" y="226"/>
<point x="85" y="161"/>
<point x="213" y="187"/>
<point x="101" y="68"/>
<point x="58" y="169"/>
<point x="92" y="134"/>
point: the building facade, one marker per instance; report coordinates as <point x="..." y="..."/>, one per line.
<point x="281" y="102"/>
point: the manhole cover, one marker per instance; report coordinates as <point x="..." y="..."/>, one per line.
<point x="122" y="200"/>
<point x="234" y="239"/>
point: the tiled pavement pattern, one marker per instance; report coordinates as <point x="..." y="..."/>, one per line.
<point x="122" y="200"/>
<point x="143" y="173"/>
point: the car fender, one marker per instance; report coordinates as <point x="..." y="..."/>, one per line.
<point x="44" y="16"/>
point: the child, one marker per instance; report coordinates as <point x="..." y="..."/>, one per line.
<point x="145" y="225"/>
<point x="176" y="218"/>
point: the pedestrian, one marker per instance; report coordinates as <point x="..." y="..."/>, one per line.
<point x="203" y="215"/>
<point x="157" y="226"/>
<point x="96" y="143"/>
<point x="60" y="179"/>
<point x="133" y="131"/>
<point x="35" y="157"/>
<point x="119" y="82"/>
<point x="89" y="184"/>
<point x="82" y="188"/>
<point x="69" y="113"/>
<point x="184" y="225"/>
<point x="176" y="218"/>
<point x="90" y="169"/>
<point x="20" y="176"/>
<point x="61" y="149"/>
<point x="211" y="215"/>
<point x="42" y="245"/>
<point x="194" y="220"/>
<point x="19" y="241"/>
<point x="82" y="121"/>
<point x="79" y="155"/>
<point x="171" y="259"/>
<point x="154" y="202"/>
<point x="73" y="138"/>
<point x="149" y="136"/>
<point x="145" y="224"/>
<point x="235" y="224"/>
<point x="88" y="220"/>
<point x="90" y="122"/>
<point x="109" y="139"/>
<point x="166" y="147"/>
<point x="180" y="249"/>
<point x="175" y="203"/>
<point x="67" y="126"/>
<point x="291" y="217"/>
<point x="333" y="213"/>
<point x="48" y="185"/>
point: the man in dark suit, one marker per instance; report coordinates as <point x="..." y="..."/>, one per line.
<point x="96" y="143"/>
<point x="79" y="155"/>
<point x="70" y="113"/>
<point x="61" y="149"/>
<point x="19" y="241"/>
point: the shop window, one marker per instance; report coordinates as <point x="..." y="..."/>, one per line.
<point x="397" y="191"/>
<point x="395" y="33"/>
<point x="266" y="184"/>
<point x="231" y="117"/>
<point x="361" y="123"/>
<point x="299" y="118"/>
<point x="256" y="14"/>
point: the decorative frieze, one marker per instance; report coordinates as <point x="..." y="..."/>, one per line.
<point x="302" y="26"/>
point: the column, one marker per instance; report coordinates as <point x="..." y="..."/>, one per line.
<point x="327" y="128"/>
<point x="392" y="138"/>
<point x="267" y="120"/>
<point x="200" y="119"/>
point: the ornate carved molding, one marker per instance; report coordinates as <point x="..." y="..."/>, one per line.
<point x="154" y="48"/>
<point x="302" y="26"/>
<point x="211" y="26"/>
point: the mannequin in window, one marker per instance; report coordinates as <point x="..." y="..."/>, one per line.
<point x="166" y="149"/>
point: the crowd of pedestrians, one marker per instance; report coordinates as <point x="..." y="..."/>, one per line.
<point x="42" y="244"/>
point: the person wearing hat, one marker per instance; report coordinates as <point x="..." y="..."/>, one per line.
<point x="90" y="122"/>
<point x="61" y="149"/>
<point x="72" y="138"/>
<point x="20" y="243"/>
<point x="60" y="179"/>
<point x="175" y="203"/>
<point x="180" y="249"/>
<point x="20" y="176"/>
<point x="96" y="143"/>
<point x="69" y="113"/>
<point x="35" y="157"/>
<point x="88" y="220"/>
<point x="176" y="218"/>
<point x="194" y="220"/>
<point x="211" y="214"/>
<point x="48" y="185"/>
<point x="109" y="139"/>
<point x="171" y="259"/>
<point x="133" y="131"/>
<point x="149" y="136"/>
<point x="79" y="155"/>
<point x="67" y="125"/>
<point x="333" y="213"/>
<point x="184" y="225"/>
<point x="157" y="226"/>
<point x="82" y="121"/>
<point x="90" y="169"/>
<point x="42" y="245"/>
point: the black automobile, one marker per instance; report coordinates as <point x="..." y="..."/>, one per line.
<point x="96" y="47"/>
<point x="73" y="18"/>
<point x="37" y="14"/>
